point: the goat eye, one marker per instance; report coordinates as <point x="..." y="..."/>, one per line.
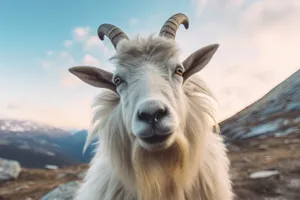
<point x="117" y="81"/>
<point x="179" y="71"/>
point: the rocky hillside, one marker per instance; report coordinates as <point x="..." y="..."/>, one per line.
<point x="277" y="113"/>
<point x="266" y="168"/>
<point x="262" y="168"/>
<point x="32" y="184"/>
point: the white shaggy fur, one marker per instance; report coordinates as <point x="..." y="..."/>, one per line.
<point x="193" y="167"/>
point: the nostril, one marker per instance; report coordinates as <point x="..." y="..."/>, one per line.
<point x="145" y="116"/>
<point x="160" y="113"/>
<point x="152" y="117"/>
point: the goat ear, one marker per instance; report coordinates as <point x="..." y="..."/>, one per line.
<point x="198" y="60"/>
<point x="94" y="76"/>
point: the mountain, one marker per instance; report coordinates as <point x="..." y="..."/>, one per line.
<point x="35" y="145"/>
<point x="29" y="128"/>
<point x="74" y="143"/>
<point x="277" y="113"/>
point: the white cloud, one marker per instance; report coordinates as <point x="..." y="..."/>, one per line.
<point x="212" y="9"/>
<point x="68" y="43"/>
<point x="58" y="62"/>
<point x="236" y="3"/>
<point x="200" y="5"/>
<point x="90" y="60"/>
<point x="81" y="33"/>
<point x="94" y="43"/>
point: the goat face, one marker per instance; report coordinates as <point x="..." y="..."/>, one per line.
<point x="149" y="80"/>
<point x="152" y="102"/>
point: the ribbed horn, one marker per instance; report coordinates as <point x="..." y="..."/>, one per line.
<point x="114" y="33"/>
<point x="172" y="24"/>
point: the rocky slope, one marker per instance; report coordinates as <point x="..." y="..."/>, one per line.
<point x="274" y="154"/>
<point x="277" y="113"/>
<point x="248" y="156"/>
<point x="32" y="184"/>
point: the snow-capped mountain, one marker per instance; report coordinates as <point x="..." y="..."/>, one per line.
<point x="23" y="126"/>
<point x="277" y="113"/>
<point x="35" y="144"/>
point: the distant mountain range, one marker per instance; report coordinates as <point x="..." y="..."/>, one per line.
<point x="277" y="113"/>
<point x="35" y="145"/>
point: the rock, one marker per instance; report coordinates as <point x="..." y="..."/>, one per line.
<point x="263" y="174"/>
<point x="294" y="183"/>
<point x="247" y="160"/>
<point x="81" y="175"/>
<point x="268" y="158"/>
<point x="61" y="175"/>
<point x="263" y="147"/>
<point x="9" y="169"/>
<point x="62" y="192"/>
<point x="22" y="187"/>
<point x="278" y="135"/>
<point x="235" y="148"/>
<point x="54" y="167"/>
<point x="286" y="141"/>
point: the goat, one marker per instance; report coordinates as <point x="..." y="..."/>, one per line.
<point x="155" y="123"/>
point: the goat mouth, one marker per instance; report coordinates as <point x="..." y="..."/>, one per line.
<point x="155" y="139"/>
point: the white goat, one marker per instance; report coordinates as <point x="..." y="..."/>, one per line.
<point x="155" y="123"/>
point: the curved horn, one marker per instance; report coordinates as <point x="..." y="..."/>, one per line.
<point x="172" y="24"/>
<point x="114" y="33"/>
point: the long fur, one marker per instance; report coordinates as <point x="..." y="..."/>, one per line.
<point x="195" y="167"/>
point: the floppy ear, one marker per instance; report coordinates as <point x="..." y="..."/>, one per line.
<point x="198" y="60"/>
<point x="94" y="76"/>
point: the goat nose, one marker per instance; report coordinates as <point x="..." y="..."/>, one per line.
<point x="152" y="113"/>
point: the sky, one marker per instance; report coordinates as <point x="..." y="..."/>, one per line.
<point x="39" y="40"/>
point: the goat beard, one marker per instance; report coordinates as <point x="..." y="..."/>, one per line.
<point x="161" y="174"/>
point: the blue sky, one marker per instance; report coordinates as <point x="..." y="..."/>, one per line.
<point x="30" y="28"/>
<point x="40" y="40"/>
